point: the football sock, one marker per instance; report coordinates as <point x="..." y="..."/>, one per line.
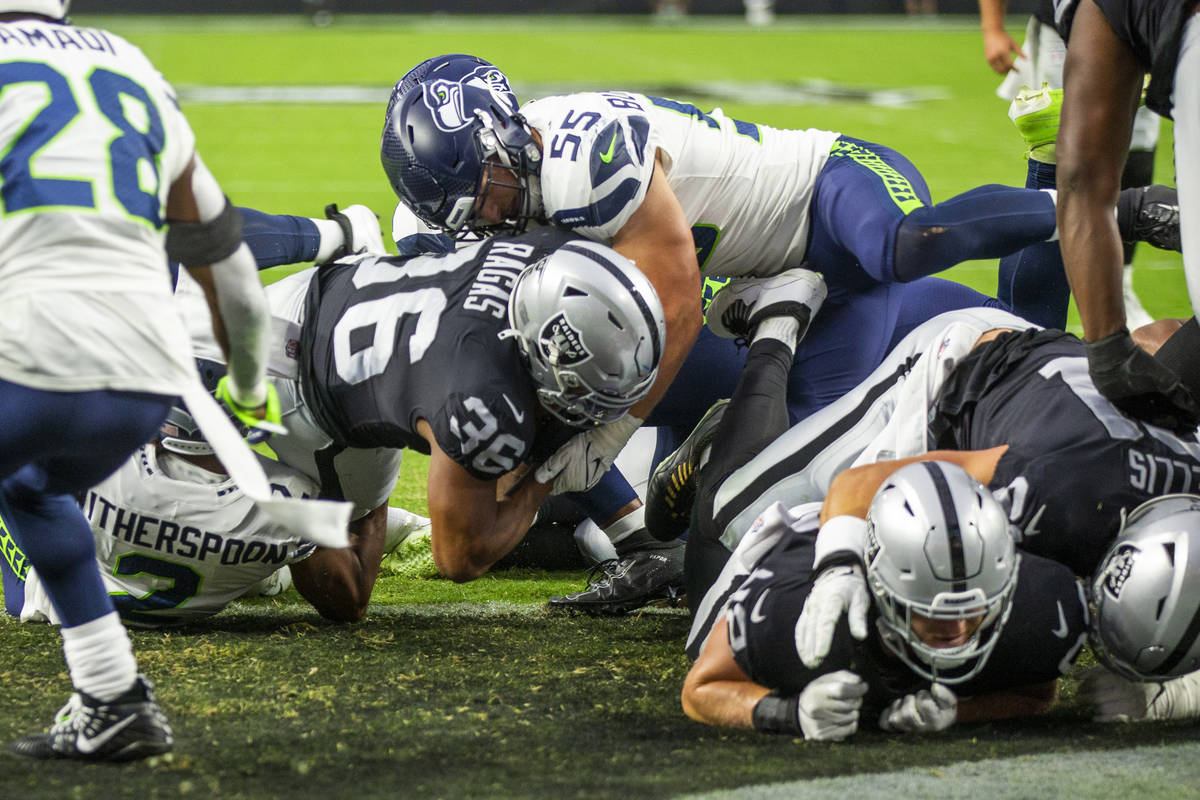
<point x="781" y="329"/>
<point x="100" y="657"/>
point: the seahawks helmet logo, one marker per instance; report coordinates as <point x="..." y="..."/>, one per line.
<point x="445" y="97"/>
<point x="561" y="344"/>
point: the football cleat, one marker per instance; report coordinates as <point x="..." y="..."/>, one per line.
<point x="1036" y="114"/>
<point x="413" y="558"/>
<point x="631" y="582"/>
<point x="740" y="305"/>
<point x="1150" y="214"/>
<point x="671" y="491"/>
<point x="130" y="727"/>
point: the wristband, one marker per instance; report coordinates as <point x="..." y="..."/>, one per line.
<point x="841" y="540"/>
<point x="777" y="715"/>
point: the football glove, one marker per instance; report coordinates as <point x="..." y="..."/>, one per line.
<point x="829" y="706"/>
<point x="360" y="230"/>
<point x="1139" y="385"/>
<point x="1115" y="699"/>
<point x="927" y="711"/>
<point x="254" y="429"/>
<point x="580" y="463"/>
<point x="837" y="589"/>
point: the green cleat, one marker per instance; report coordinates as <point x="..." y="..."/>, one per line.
<point x="1036" y="114"/>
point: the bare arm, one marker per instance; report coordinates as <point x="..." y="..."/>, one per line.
<point x="999" y="48"/>
<point x="659" y="241"/>
<point x="1102" y="82"/>
<point x="339" y="582"/>
<point x="472" y="526"/>
<point x="852" y="490"/>
<point x="1022" y="701"/>
<point x="716" y="691"/>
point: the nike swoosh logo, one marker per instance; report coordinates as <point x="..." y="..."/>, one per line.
<point x="90" y="745"/>
<point x="1061" y="631"/>
<point x="520" y="416"/>
<point x="612" y="147"/>
<point x="756" y="614"/>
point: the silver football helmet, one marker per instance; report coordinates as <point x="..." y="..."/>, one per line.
<point x="55" y="9"/>
<point x="180" y="433"/>
<point x="1146" y="592"/>
<point x="590" y="328"/>
<point x="939" y="546"/>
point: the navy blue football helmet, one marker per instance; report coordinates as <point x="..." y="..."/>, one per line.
<point x="450" y="130"/>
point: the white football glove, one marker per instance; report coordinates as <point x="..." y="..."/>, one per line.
<point x="1114" y="699"/>
<point x="926" y="711"/>
<point x="829" y="706"/>
<point x="579" y="464"/>
<point x="360" y="229"/>
<point x="837" y="589"/>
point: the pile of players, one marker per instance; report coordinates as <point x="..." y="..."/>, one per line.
<point x="967" y="467"/>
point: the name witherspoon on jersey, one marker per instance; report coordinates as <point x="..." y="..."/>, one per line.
<point x="169" y="538"/>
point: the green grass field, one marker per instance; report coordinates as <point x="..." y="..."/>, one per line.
<point x="475" y="691"/>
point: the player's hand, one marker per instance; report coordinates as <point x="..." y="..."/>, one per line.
<point x="580" y="463"/>
<point x="926" y="711"/>
<point x="1140" y="386"/>
<point x="1115" y="699"/>
<point x="836" y="590"/>
<point x="829" y="706"/>
<point x="259" y="422"/>
<point x="1000" y="50"/>
<point x="360" y="230"/>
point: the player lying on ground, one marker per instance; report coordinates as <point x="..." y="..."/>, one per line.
<point x="177" y="541"/>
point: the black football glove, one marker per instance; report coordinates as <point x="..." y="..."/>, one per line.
<point x="1140" y="386"/>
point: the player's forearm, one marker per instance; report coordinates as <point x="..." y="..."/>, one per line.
<point x="991" y="15"/>
<point x="469" y="541"/>
<point x="728" y="704"/>
<point x="1021" y="702"/>
<point x="244" y="317"/>
<point x="683" y="325"/>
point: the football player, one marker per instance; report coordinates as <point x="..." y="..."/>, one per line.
<point x="1032" y="282"/>
<point x="177" y="540"/>
<point x="1113" y="44"/>
<point x="484" y="357"/>
<point x="92" y="349"/>
<point x="686" y="193"/>
<point x="965" y="627"/>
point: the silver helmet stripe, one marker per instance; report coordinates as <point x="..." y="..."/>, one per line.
<point x="643" y="307"/>
<point x="953" y="533"/>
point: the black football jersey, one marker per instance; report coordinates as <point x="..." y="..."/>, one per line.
<point x="1075" y="462"/>
<point x="1151" y="28"/>
<point x="1039" y="642"/>
<point x="387" y="341"/>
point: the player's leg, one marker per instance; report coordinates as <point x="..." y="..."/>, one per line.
<point x="66" y="442"/>
<point x="871" y="207"/>
<point x="1187" y="153"/>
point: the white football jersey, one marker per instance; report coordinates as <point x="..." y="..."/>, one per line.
<point x="745" y="188"/>
<point x="172" y="550"/>
<point x="93" y="139"/>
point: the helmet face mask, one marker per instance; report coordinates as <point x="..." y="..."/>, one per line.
<point x="939" y="546"/>
<point x="1145" y="595"/>
<point x="589" y="328"/>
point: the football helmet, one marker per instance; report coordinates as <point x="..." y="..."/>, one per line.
<point x="453" y="69"/>
<point x="1145" y="594"/>
<point x="55" y="9"/>
<point x="939" y="546"/>
<point x="180" y="433"/>
<point x="590" y="330"/>
<point x="451" y="136"/>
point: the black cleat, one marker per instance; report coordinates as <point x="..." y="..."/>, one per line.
<point x="672" y="488"/>
<point x="1150" y="214"/>
<point x="130" y="727"/>
<point x="629" y="583"/>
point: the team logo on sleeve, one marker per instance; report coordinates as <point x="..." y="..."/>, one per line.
<point x="561" y="344"/>
<point x="445" y="97"/>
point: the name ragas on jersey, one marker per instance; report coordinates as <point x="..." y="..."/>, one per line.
<point x="493" y="283"/>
